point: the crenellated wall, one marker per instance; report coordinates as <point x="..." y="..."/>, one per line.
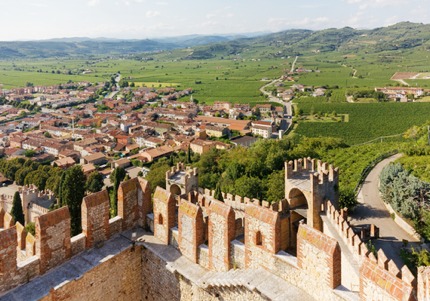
<point x="221" y="233"/>
<point x="23" y="256"/>
<point x="181" y="179"/>
<point x="238" y="234"/>
<point x="308" y="183"/>
<point x="190" y="229"/>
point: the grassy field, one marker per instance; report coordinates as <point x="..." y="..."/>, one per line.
<point x="156" y="84"/>
<point x="227" y="80"/>
<point x="367" y="121"/>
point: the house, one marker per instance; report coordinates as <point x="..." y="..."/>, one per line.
<point x="88" y="168"/>
<point x="234" y="125"/>
<point x="96" y="159"/>
<point x="201" y="146"/>
<point x="64" y="163"/>
<point x="151" y="142"/>
<point x="155" y="153"/>
<point x="265" y="108"/>
<point x="217" y="131"/>
<point x="319" y="92"/>
<point x="131" y="147"/>
<point x="123" y="163"/>
<point x="217" y="106"/>
<point x="262" y="128"/>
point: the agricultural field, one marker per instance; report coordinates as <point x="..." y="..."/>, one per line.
<point x="352" y="161"/>
<point x="366" y="121"/>
<point x="212" y="80"/>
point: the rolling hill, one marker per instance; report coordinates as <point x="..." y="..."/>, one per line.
<point x="405" y="35"/>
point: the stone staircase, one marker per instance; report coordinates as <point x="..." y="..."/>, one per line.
<point x="226" y="279"/>
<point x="259" y="280"/>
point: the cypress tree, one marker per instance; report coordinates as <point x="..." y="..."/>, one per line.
<point x="73" y="191"/>
<point x="16" y="212"/>
<point x="189" y="155"/>
<point x="218" y="193"/>
<point x="116" y="177"/>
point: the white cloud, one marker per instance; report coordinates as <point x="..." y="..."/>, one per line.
<point x="363" y="4"/>
<point x="277" y="24"/>
<point x="152" y="14"/>
<point x="93" y="2"/>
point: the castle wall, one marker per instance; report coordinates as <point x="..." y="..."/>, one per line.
<point x="423" y="284"/>
<point x="379" y="280"/>
<point x="164" y="214"/>
<point x="11" y="273"/>
<point x="221" y="233"/>
<point x="262" y="230"/>
<point x="95" y="218"/>
<point x="319" y="256"/>
<point x="53" y="245"/>
<point x="173" y="261"/>
<point x="190" y="229"/>
<point x="118" y="278"/>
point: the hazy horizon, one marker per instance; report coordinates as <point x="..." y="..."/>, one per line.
<point x="25" y="20"/>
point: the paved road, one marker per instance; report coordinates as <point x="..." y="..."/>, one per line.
<point x="287" y="105"/>
<point x="372" y="210"/>
<point x="294" y="64"/>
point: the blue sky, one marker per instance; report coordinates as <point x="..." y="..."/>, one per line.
<point x="44" y="19"/>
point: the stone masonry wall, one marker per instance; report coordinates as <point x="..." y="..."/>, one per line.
<point x="95" y="218"/>
<point x="379" y="280"/>
<point x="262" y="228"/>
<point x="221" y="232"/>
<point x="8" y="244"/>
<point x="319" y="255"/>
<point x="164" y="214"/>
<point x="190" y="229"/>
<point x="118" y="278"/>
<point x="128" y="203"/>
<point x="11" y="274"/>
<point x="160" y="284"/>
<point x="53" y="238"/>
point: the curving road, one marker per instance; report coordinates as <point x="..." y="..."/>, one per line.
<point x="371" y="210"/>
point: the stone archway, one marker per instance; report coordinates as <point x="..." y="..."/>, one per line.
<point x="175" y="189"/>
<point x="297" y="198"/>
<point x="299" y="213"/>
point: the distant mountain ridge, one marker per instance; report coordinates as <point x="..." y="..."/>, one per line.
<point x="403" y="35"/>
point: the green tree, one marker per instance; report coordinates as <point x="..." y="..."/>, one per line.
<point x="218" y="193"/>
<point x="116" y="177"/>
<point x="248" y="187"/>
<point x="21" y="174"/>
<point x="31" y="228"/>
<point x="94" y="182"/>
<point x="16" y="212"/>
<point x="73" y="191"/>
<point x="347" y="199"/>
<point x="29" y="153"/>
<point x="157" y="175"/>
<point x="275" y="186"/>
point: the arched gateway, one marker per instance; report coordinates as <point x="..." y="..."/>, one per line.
<point x="308" y="183"/>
